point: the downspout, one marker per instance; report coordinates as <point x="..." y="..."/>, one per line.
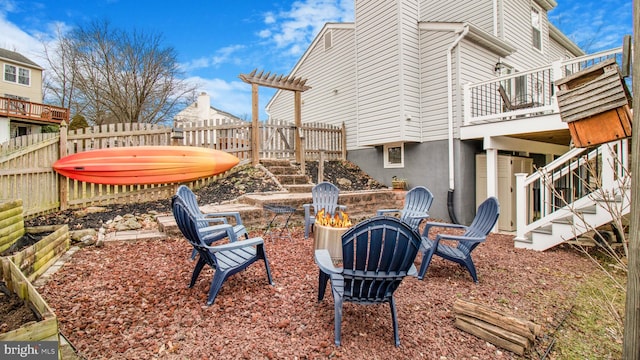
<point x="464" y="32"/>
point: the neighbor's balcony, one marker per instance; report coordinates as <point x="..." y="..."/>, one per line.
<point x="524" y="94"/>
<point x="20" y="109"/>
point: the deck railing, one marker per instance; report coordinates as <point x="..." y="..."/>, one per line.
<point x="531" y="92"/>
<point x="27" y="110"/>
<point x="576" y="174"/>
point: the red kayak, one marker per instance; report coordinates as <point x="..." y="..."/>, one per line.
<point x="145" y="165"/>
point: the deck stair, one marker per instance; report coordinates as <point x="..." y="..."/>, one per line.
<point x="586" y="208"/>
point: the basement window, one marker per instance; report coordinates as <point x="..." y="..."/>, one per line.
<point x="394" y="155"/>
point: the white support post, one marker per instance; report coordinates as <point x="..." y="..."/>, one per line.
<point x="521" y="207"/>
<point x="492" y="172"/>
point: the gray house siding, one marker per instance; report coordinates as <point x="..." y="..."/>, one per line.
<point x="476" y="12"/>
<point x="426" y="164"/>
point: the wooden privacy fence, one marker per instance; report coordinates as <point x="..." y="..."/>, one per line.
<point x="26" y="162"/>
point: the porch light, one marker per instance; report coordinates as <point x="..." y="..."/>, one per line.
<point x="498" y="67"/>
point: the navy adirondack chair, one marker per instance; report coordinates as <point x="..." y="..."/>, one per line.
<point x="476" y="233"/>
<point x="324" y="196"/>
<point x="376" y="255"/>
<point x="190" y="200"/>
<point x="416" y="207"/>
<point x="226" y="259"/>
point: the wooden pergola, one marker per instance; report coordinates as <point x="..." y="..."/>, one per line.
<point x="297" y="85"/>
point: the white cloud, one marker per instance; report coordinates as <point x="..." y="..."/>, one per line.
<point x="15" y="39"/>
<point x="293" y="30"/>
<point x="594" y="26"/>
<point x="221" y="56"/>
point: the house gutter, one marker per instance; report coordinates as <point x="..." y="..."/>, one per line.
<point x="453" y="45"/>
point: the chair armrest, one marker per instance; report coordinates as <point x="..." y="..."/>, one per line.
<point x="416" y="214"/>
<point x="307" y="210"/>
<point x="323" y="259"/>
<point x="212" y="218"/>
<point x="237" y="244"/>
<point x="386" y="211"/>
<point x="223" y="227"/>
<point x="430" y="224"/>
<point x="459" y="238"/>
<point x="234" y="214"/>
<point x="341" y="207"/>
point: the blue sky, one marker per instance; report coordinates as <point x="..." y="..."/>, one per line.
<point x="218" y="40"/>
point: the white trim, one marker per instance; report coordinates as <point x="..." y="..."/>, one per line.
<point x="387" y="164"/>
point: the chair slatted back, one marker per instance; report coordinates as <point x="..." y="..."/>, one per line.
<point x="377" y="254"/>
<point x="188" y="225"/>
<point x="325" y="196"/>
<point x="418" y="200"/>
<point x="485" y="219"/>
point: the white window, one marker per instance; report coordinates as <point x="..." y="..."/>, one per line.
<point x="16" y="74"/>
<point x="394" y="155"/>
<point x="24" y="76"/>
<point x="536" y="29"/>
<point x="10" y="73"/>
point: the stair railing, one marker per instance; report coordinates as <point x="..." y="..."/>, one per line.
<point x="548" y="193"/>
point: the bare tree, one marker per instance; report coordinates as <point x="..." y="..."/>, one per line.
<point x="110" y="75"/>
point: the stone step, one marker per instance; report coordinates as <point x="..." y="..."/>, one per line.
<point x="282" y="170"/>
<point x="302" y="188"/>
<point x="292" y="179"/>
<point x="275" y="162"/>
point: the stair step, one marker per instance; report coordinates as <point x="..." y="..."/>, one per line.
<point x="275" y="162"/>
<point x="303" y="188"/>
<point x="282" y="170"/>
<point x="292" y="179"/>
<point x="568" y="220"/>
<point x="593" y="209"/>
<point x="544" y="230"/>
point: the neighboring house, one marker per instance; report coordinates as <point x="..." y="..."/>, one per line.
<point x="416" y="84"/>
<point x="202" y="110"/>
<point x="21" y="108"/>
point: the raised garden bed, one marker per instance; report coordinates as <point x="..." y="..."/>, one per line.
<point x="45" y="326"/>
<point x="32" y="249"/>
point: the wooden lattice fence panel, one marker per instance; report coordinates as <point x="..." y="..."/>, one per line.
<point x="227" y="135"/>
<point x="26" y="172"/>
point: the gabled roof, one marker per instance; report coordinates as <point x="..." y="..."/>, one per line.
<point x="17" y="58"/>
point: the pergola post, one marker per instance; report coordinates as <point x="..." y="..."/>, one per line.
<point x="297" y="108"/>
<point x="255" y="131"/>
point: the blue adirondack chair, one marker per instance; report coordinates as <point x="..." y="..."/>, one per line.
<point x="476" y="233"/>
<point x="226" y="259"/>
<point x="416" y="207"/>
<point x="376" y="255"/>
<point x="324" y="196"/>
<point x="190" y="200"/>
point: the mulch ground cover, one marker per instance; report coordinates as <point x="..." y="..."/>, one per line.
<point x="131" y="301"/>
